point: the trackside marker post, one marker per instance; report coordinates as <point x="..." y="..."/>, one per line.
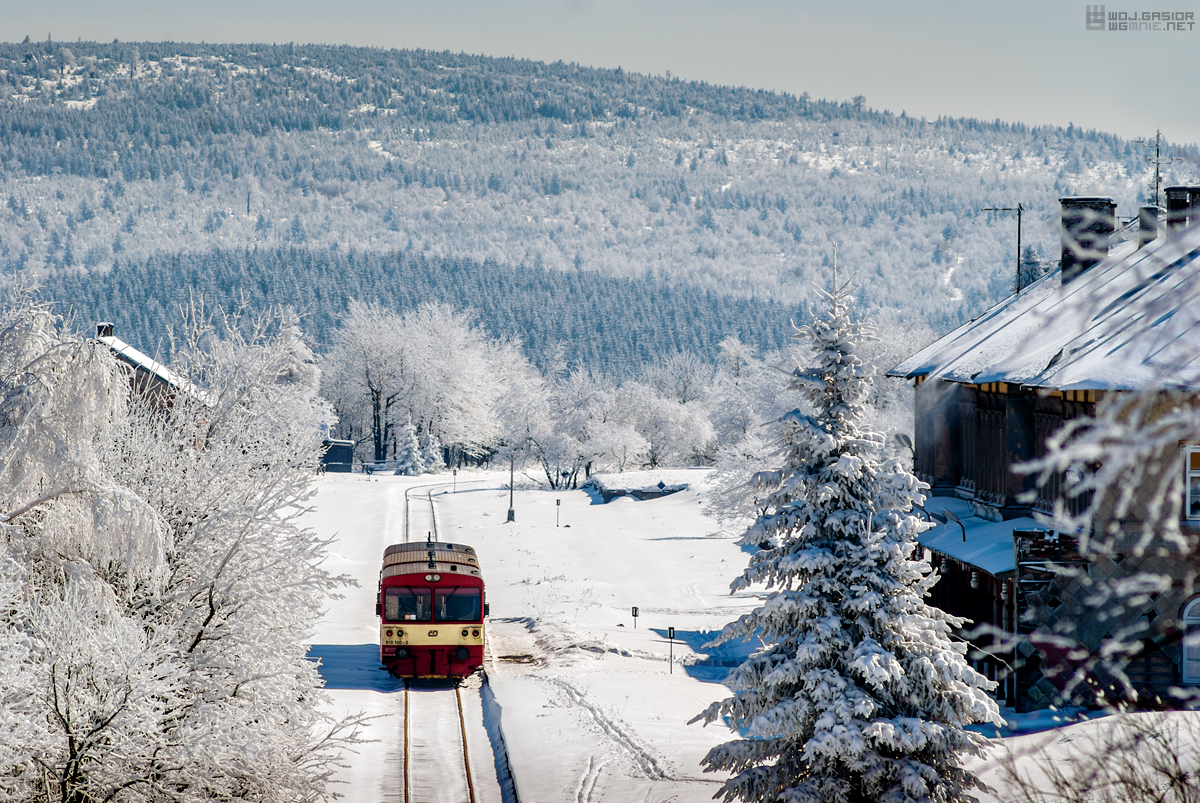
<point x="635" y="617"/>
<point x="671" y="641"/>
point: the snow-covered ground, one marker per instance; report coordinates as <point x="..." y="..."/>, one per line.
<point x="590" y="707"/>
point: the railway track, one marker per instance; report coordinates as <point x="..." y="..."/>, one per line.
<point x="420" y="519"/>
<point x="437" y="765"/>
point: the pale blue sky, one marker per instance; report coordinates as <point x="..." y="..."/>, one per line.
<point x="1026" y="60"/>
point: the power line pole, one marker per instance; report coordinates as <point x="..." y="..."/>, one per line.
<point x="1019" y="209"/>
<point x="1158" y="160"/>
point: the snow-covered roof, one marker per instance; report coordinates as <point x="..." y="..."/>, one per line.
<point x="986" y="545"/>
<point x="1129" y="322"/>
<point x="141" y="362"/>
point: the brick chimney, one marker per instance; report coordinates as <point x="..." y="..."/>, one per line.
<point x="1183" y="207"/>
<point x="1087" y="225"/>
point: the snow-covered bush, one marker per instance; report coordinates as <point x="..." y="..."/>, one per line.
<point x="860" y="692"/>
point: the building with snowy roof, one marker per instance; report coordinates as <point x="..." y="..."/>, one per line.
<point x="1121" y="314"/>
<point x="148" y="376"/>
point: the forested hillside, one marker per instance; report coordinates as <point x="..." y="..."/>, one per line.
<point x="129" y="154"/>
<point x="609" y="325"/>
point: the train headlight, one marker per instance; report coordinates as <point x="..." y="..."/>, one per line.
<point x="475" y="633"/>
<point x="387" y="633"/>
<point x="464" y="632"/>
<point x="462" y="654"/>
<point x="402" y="652"/>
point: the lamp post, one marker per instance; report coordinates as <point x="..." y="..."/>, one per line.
<point x="512" y="514"/>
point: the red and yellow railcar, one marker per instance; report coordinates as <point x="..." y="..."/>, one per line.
<point x="431" y="607"/>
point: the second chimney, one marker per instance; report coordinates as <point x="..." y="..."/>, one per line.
<point x="1147" y="224"/>
<point x="1087" y="225"/>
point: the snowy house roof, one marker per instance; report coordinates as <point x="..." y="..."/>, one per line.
<point x="978" y="542"/>
<point x="136" y="359"/>
<point x="1129" y="322"/>
<point x="146" y="365"/>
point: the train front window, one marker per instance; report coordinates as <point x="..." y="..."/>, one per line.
<point x="407" y="605"/>
<point x="457" y="604"/>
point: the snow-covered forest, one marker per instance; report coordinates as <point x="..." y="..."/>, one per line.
<point x="608" y="325"/>
<point x="135" y="155"/>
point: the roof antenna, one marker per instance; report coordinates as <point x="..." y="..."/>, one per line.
<point x="1158" y="160"/>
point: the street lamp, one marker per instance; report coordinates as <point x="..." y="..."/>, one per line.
<point x="512" y="514"/>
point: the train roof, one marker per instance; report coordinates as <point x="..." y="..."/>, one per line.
<point x="420" y="557"/>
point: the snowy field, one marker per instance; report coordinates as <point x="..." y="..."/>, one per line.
<point x="590" y="706"/>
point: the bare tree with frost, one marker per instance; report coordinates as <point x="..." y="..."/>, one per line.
<point x="432" y="366"/>
<point x="156" y="582"/>
<point x="859" y="693"/>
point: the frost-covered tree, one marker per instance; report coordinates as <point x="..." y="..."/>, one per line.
<point x="364" y="375"/>
<point x="155" y="581"/>
<point x="675" y="433"/>
<point x="733" y="498"/>
<point x="860" y="693"/>
<point x="432" y="366"/>
<point x="536" y="430"/>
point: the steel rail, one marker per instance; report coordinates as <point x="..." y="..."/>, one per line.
<point x="408" y="507"/>
<point x="462" y="722"/>
<point x="462" y="725"/>
<point x="407" y="775"/>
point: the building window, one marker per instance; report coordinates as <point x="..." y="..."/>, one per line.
<point x="1191" y="642"/>
<point x="1192" y="457"/>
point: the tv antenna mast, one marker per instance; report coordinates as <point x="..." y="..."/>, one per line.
<point x="1158" y="160"/>
<point x="1019" y="209"/>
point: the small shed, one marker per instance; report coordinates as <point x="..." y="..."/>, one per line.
<point x="338" y="455"/>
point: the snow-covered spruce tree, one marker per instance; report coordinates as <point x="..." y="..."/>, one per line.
<point x="860" y="694"/>
<point x="431" y="452"/>
<point x="409" y="460"/>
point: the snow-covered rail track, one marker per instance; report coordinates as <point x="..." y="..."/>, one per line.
<point x="420" y="517"/>
<point x="437" y="767"/>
